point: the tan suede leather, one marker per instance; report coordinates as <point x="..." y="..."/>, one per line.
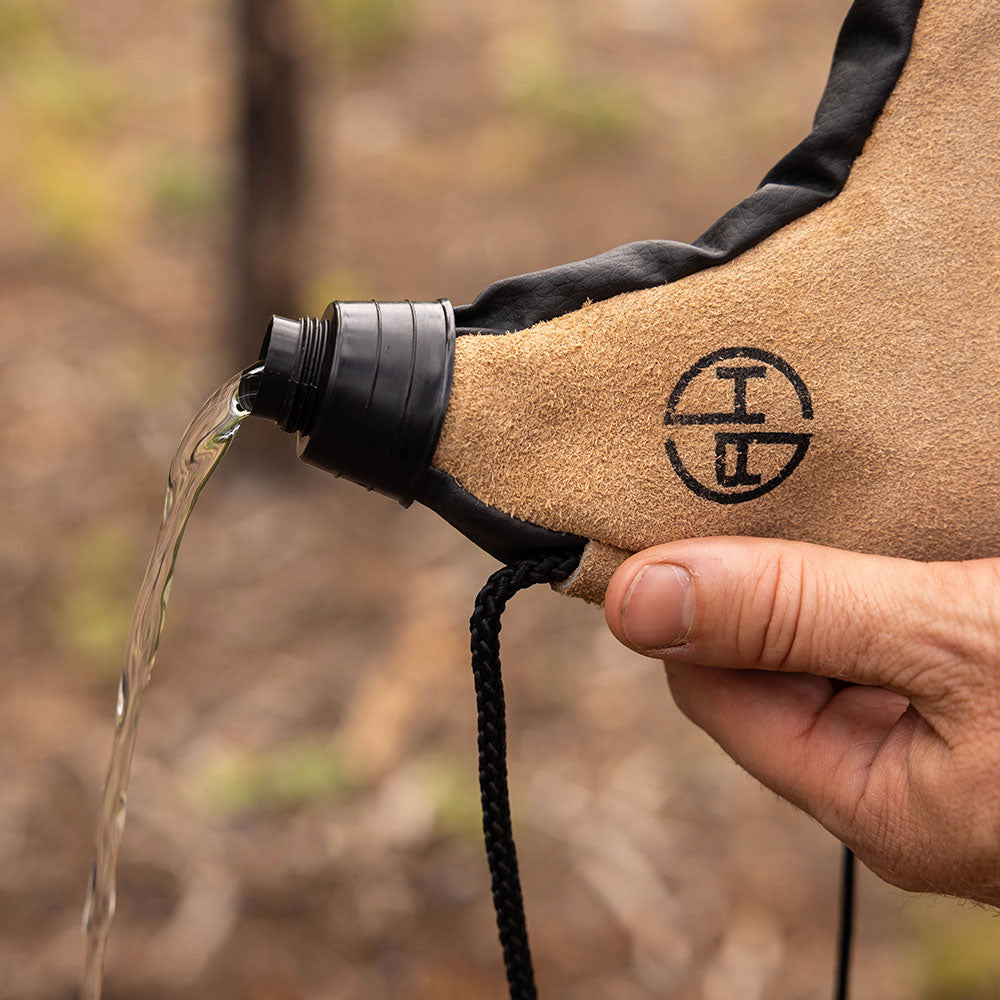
<point x="883" y="303"/>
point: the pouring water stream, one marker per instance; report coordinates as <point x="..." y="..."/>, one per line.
<point x="205" y="441"/>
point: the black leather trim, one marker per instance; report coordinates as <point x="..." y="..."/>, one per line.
<point x="504" y="537"/>
<point x="871" y="50"/>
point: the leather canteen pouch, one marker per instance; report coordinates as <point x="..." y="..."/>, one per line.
<point x="822" y="365"/>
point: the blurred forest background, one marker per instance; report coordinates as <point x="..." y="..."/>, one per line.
<point x="303" y="820"/>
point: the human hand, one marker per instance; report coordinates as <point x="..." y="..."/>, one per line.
<point x="903" y="762"/>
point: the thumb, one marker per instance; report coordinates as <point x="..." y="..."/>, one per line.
<point x="917" y="640"/>
<point x="788" y="606"/>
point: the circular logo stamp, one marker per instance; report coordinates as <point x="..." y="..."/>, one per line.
<point x="738" y="417"/>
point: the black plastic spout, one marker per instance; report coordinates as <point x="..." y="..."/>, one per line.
<point x="365" y="387"/>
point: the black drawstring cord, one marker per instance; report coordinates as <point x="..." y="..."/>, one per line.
<point x="846" y="932"/>
<point x="501" y="854"/>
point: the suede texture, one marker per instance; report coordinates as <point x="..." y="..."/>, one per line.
<point x="837" y="383"/>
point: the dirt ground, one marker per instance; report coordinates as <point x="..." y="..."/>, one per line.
<point x="303" y="811"/>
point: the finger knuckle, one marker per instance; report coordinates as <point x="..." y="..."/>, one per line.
<point x="769" y="622"/>
<point x="953" y="628"/>
<point x="892" y="840"/>
<point x="790" y="612"/>
<point x="979" y="596"/>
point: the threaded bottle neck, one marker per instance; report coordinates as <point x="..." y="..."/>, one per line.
<point x="308" y="380"/>
<point x="288" y="390"/>
<point x="365" y="388"/>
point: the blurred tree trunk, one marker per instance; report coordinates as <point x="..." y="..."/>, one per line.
<point x="270" y="153"/>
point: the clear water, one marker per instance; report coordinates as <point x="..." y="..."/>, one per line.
<point x="206" y="440"/>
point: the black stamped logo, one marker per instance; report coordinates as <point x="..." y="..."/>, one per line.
<point x="712" y="407"/>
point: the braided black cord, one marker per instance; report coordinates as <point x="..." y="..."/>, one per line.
<point x="501" y="853"/>
<point x="498" y="833"/>
<point x="846" y="931"/>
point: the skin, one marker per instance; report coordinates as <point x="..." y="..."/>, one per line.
<point x="863" y="689"/>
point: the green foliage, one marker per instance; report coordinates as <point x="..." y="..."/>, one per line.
<point x="592" y="110"/>
<point x="360" y="32"/>
<point x="60" y="108"/>
<point x="534" y="75"/>
<point x="185" y="185"/>
<point x="956" y="951"/>
<point x="24" y="21"/>
<point x="342" y="283"/>
<point x="68" y="191"/>
<point x="296" y="773"/>
<point x="455" y="798"/>
<point x="53" y="86"/>
<point x="94" y="611"/>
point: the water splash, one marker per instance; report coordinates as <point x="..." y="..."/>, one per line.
<point x="206" y="440"/>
